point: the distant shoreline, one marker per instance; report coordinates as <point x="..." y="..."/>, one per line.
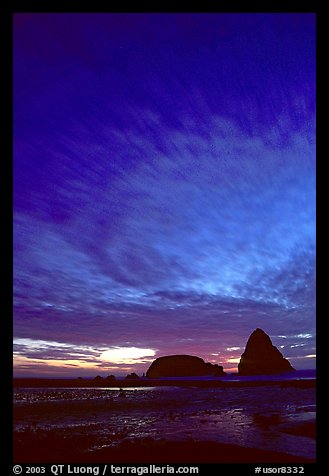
<point x="145" y="382"/>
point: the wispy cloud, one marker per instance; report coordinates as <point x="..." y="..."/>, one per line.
<point x="164" y="197"/>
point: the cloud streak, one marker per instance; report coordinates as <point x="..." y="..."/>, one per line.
<point x="166" y="199"/>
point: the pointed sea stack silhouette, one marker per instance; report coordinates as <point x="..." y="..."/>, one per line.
<point x="183" y="366"/>
<point x="261" y="357"/>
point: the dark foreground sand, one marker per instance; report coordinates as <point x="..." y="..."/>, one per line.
<point x="231" y="424"/>
<point x="55" y="449"/>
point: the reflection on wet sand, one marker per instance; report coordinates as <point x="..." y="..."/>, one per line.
<point x="270" y="418"/>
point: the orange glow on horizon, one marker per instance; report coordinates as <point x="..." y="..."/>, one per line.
<point x="65" y="363"/>
<point x="53" y="365"/>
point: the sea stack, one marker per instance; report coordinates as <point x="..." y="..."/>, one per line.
<point x="183" y="366"/>
<point x="261" y="357"/>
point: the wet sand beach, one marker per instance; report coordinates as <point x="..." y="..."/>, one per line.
<point x="270" y="423"/>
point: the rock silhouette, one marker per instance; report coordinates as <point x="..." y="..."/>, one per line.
<point x="98" y="378"/>
<point x="132" y="376"/>
<point x="261" y="357"/>
<point x="110" y="378"/>
<point x="183" y="366"/>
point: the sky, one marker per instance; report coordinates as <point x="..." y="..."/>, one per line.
<point x="164" y="189"/>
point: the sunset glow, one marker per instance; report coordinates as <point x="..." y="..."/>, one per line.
<point x="127" y="355"/>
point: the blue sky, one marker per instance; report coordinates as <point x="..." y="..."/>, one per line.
<point x="164" y="188"/>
